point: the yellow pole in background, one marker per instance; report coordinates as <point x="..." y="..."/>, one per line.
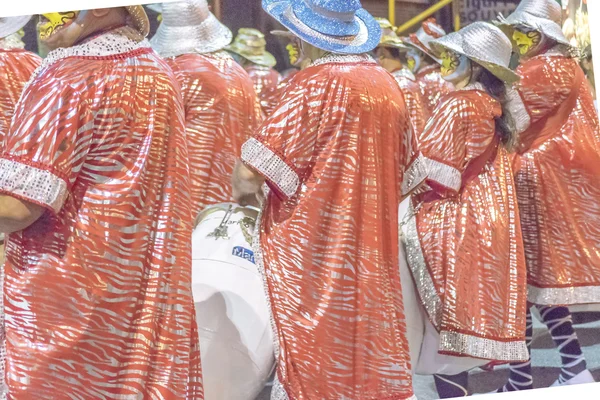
<point x="456" y="14"/>
<point x="392" y="12"/>
<point x="425" y="14"/>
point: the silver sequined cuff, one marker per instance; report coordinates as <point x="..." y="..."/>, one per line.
<point x="416" y="262"/>
<point x="488" y="349"/>
<point x="415" y="174"/>
<point x="444" y="174"/>
<point x="30" y="183"/>
<point x="271" y="166"/>
<point x="569" y="296"/>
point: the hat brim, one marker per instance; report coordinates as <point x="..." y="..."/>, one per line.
<point x="545" y="26"/>
<point x="366" y="40"/>
<point x="10" y="25"/>
<point x="423" y="49"/>
<point x="208" y="37"/>
<point x="395" y="44"/>
<point x="499" y="71"/>
<point x="282" y="33"/>
<point x="140" y="19"/>
<point x="265" y="59"/>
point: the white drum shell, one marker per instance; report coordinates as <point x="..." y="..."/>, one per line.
<point x="231" y="310"/>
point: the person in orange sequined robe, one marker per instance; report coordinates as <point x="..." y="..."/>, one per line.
<point x="16" y="67"/>
<point x="556" y="174"/>
<point x="337" y="155"/>
<point x="463" y="237"/>
<point x="95" y="198"/>
<point x="222" y="110"/>
<point x="249" y="48"/>
<point x="388" y="54"/>
<point x="424" y="63"/>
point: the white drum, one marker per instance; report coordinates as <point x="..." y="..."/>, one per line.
<point x="231" y="309"/>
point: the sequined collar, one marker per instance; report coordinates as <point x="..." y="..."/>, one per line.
<point x="108" y="44"/>
<point x="475" y="86"/>
<point x="12" y="42"/>
<point x="331" y="58"/>
<point x="111" y="43"/>
<point x="404" y="73"/>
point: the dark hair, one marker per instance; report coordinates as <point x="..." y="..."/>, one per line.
<point x="505" y="123"/>
<point x="394" y="52"/>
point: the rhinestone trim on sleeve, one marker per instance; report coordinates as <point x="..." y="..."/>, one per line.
<point x="444" y="174"/>
<point x="271" y="166"/>
<point x="40" y="186"/>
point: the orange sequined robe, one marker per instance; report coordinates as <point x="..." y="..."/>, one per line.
<point x="433" y="87"/>
<point x="558" y="182"/>
<point x="464" y="245"/>
<point x="413" y="98"/>
<point x="98" y="290"/>
<point x="333" y="154"/>
<point x="16" y="67"/>
<point x="222" y="112"/>
<point x="266" y="81"/>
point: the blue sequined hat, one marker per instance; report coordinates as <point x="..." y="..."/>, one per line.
<point x="340" y="26"/>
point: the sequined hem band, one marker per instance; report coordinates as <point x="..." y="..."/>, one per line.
<point x="569" y="296"/>
<point x="278" y="392"/>
<point x="414" y="175"/>
<point x="273" y="167"/>
<point x="37" y="185"/>
<point x="416" y="262"/>
<point x="487" y="349"/>
<point x="517" y="110"/>
<point x="444" y="174"/>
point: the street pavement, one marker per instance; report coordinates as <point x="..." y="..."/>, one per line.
<point x="545" y="357"/>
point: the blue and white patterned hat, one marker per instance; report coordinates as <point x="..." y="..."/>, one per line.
<point x="340" y="26"/>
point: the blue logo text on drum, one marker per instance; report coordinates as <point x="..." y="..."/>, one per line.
<point x="246" y="254"/>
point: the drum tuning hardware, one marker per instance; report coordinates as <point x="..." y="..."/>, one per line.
<point x="220" y="231"/>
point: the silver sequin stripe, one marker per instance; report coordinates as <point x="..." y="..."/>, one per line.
<point x="415" y="174"/>
<point x="34" y="184"/>
<point x="444" y="174"/>
<point x="487" y="349"/>
<point x="416" y="262"/>
<point x="563" y="296"/>
<point x="265" y="161"/>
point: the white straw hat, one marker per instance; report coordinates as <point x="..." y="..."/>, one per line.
<point x="189" y="27"/>
<point x="544" y="16"/>
<point x="483" y="43"/>
<point x="10" y="25"/>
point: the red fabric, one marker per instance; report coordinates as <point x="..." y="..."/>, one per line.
<point x="222" y="112"/>
<point x="471" y="238"/>
<point x="414" y="101"/>
<point x="98" y="296"/>
<point x="433" y="87"/>
<point x="266" y="81"/>
<point x="16" y="67"/>
<point x="557" y="178"/>
<point x="330" y="251"/>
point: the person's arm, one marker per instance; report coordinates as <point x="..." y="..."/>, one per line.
<point x="44" y="150"/>
<point x="279" y="153"/>
<point x="16" y="214"/>
<point x="247" y="185"/>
